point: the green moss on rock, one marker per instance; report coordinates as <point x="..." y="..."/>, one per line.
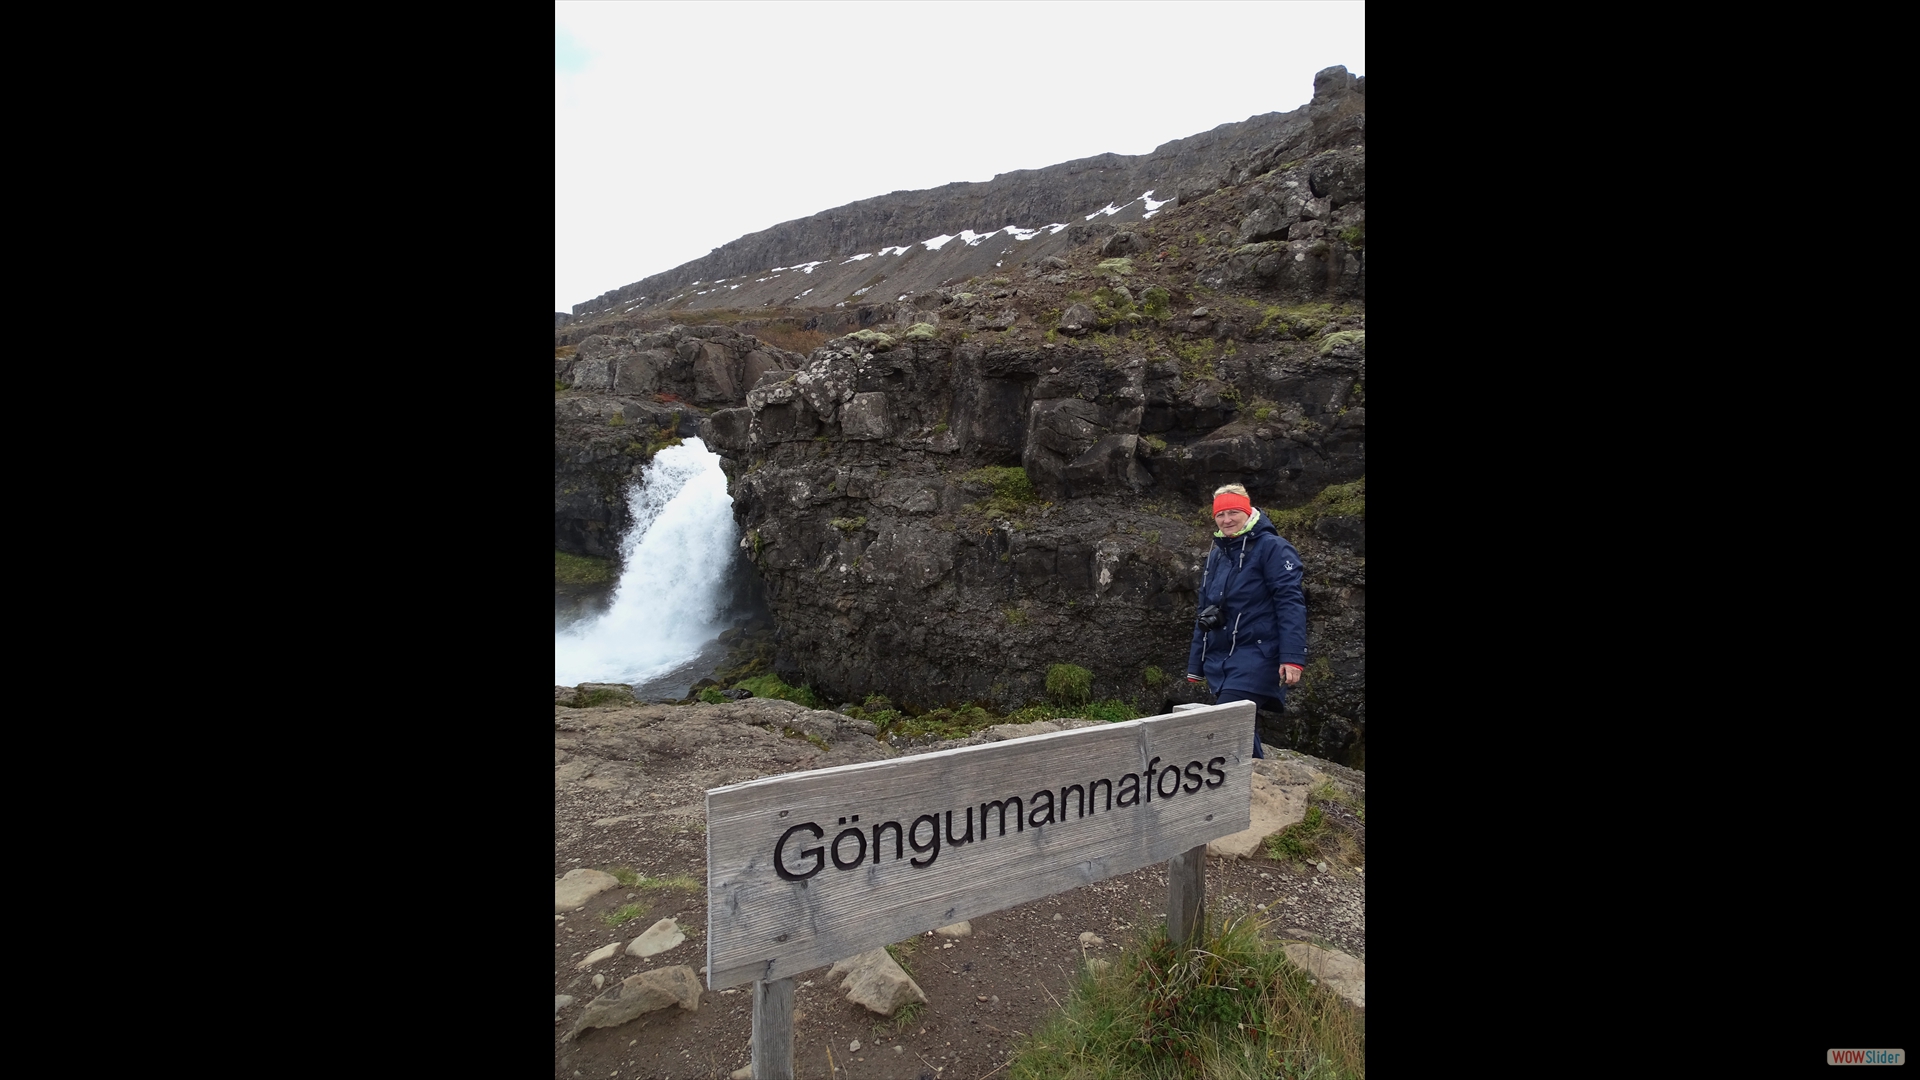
<point x="1335" y="500"/>
<point x="581" y="569"/>
<point x="1356" y="338"/>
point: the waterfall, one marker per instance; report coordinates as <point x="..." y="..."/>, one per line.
<point x="671" y="601"/>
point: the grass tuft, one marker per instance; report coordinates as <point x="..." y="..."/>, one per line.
<point x="902" y="953"/>
<point x="593" y="699"/>
<point x="633" y="879"/>
<point x="934" y="723"/>
<point x="1069" y="684"/>
<point x="770" y="686"/>
<point x="1233" y="1007"/>
<point x="676" y="881"/>
<point x="1314" y="838"/>
<point x="624" y="914"/>
<point x="1300" y="841"/>
<point x="796" y="733"/>
<point x="1012" y="490"/>
<point x="1110" y="711"/>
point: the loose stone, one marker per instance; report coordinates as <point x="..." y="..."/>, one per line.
<point x="605" y="952"/>
<point x="579" y="886"/>
<point x="659" y="937"/>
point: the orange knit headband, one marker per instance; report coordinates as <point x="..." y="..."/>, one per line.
<point x="1228" y="500"/>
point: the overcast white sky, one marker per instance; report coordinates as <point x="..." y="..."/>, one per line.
<point x="681" y="126"/>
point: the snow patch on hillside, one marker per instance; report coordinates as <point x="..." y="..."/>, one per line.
<point x="935" y="243"/>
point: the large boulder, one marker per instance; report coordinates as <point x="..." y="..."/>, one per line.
<point x="1340" y="178"/>
<point x="592" y="373"/>
<point x="1112" y="463"/>
<point x="1344" y="975"/>
<point x="1064" y="425"/>
<point x="637" y="995"/>
<point x="727" y="429"/>
<point x="755" y="365"/>
<point x="780" y="414"/>
<point x="1077" y="319"/>
<point x="827" y="383"/>
<point x="716" y="379"/>
<point x="579" y="886"/>
<point x="1271" y="221"/>
<point x="1278" y="801"/>
<point x="640" y="372"/>
<point x="660" y="937"/>
<point x="874" y="980"/>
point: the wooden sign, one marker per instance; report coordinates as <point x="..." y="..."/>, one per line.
<point x="810" y="868"/>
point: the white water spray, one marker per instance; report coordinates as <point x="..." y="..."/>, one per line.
<point x="671" y="598"/>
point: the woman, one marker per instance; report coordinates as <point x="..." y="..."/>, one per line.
<point x="1250" y="639"/>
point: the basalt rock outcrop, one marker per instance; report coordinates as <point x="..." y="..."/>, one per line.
<point x="940" y="524"/>
<point x="1015" y="471"/>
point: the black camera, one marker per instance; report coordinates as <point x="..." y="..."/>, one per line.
<point x="1212" y="617"/>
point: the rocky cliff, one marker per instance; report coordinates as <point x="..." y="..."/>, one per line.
<point x="801" y="262"/>
<point x="1014" y="471"/>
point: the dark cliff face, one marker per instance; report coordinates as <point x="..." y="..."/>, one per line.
<point x="940" y="524"/>
<point x="1016" y="471"/>
<point x="633" y="394"/>
<point x="1030" y="198"/>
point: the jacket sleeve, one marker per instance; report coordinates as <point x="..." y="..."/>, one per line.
<point x="1193" y="650"/>
<point x="1284" y="574"/>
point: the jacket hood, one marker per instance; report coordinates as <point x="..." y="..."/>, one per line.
<point x="1256" y="525"/>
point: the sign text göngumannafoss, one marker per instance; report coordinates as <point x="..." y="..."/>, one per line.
<point x="810" y="868"/>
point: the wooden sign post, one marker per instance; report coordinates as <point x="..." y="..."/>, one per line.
<point x="810" y="868"/>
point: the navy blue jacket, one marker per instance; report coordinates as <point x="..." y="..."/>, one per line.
<point x="1255" y="580"/>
